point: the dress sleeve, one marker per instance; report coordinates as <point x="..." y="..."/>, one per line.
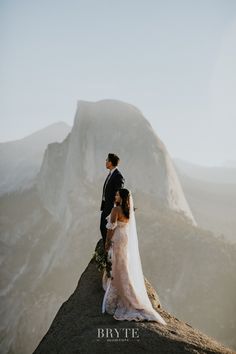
<point x="112" y="219"/>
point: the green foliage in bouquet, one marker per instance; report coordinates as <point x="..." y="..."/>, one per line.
<point x="102" y="260"/>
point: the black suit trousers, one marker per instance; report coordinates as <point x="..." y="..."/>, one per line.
<point x="103" y="223"/>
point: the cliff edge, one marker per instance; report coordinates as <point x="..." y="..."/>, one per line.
<point x="80" y="328"/>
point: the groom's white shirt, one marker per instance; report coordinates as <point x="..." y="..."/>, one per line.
<point x="113" y="170"/>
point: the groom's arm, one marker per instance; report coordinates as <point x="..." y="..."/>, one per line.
<point x="119" y="183"/>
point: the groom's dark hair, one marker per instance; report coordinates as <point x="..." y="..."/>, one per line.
<point x="114" y="159"/>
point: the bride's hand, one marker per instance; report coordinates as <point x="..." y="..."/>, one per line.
<point x="107" y="246"/>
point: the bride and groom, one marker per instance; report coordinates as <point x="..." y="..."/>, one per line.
<point x="125" y="295"/>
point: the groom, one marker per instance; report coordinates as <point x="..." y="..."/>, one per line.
<point x="113" y="182"/>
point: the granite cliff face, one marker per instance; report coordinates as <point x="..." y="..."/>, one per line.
<point x="76" y="165"/>
<point x="20" y="160"/>
<point x="80" y="327"/>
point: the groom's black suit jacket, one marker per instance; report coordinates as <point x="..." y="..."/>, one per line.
<point x="115" y="182"/>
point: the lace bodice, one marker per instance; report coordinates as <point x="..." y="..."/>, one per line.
<point x="113" y="225"/>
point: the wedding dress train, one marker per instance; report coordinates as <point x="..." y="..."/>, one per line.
<point x="125" y="293"/>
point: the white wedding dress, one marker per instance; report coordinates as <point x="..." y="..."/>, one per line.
<point x="125" y="295"/>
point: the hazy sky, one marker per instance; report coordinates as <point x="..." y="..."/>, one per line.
<point x="175" y="60"/>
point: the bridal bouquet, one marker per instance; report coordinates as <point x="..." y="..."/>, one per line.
<point x="103" y="260"/>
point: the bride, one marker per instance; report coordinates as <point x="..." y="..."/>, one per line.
<point x="125" y="295"/>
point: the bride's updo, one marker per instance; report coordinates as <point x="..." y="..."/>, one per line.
<point x="125" y="203"/>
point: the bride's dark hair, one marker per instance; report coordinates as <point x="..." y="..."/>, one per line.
<point x="125" y="204"/>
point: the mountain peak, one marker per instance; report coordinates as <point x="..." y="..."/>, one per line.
<point x="79" y="321"/>
<point x="109" y="101"/>
<point x="99" y="128"/>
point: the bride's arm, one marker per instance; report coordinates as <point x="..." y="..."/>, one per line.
<point x="111" y="227"/>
